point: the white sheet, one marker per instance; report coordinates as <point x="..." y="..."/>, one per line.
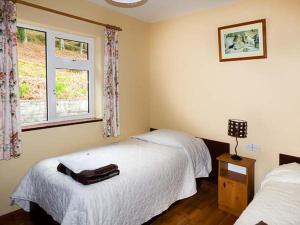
<point x="152" y="178"/>
<point x="278" y="201"/>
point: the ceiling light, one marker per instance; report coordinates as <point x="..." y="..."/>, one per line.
<point x="127" y="3"/>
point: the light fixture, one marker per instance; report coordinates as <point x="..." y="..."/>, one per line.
<point x="237" y="129"/>
<point x="126" y="3"/>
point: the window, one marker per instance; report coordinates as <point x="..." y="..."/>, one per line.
<point x="32" y="75"/>
<point x="56" y="75"/>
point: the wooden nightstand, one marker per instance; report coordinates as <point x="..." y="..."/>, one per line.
<point x="235" y="190"/>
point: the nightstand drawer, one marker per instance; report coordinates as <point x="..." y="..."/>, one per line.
<point x="232" y="195"/>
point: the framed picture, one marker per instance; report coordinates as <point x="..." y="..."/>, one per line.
<point x="243" y="41"/>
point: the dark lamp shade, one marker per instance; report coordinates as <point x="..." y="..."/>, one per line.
<point x="237" y="128"/>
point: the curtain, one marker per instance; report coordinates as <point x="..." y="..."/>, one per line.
<point x="111" y="117"/>
<point x="10" y="128"/>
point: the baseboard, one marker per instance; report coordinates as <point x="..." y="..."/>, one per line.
<point x="10" y="217"/>
<point x="13" y="213"/>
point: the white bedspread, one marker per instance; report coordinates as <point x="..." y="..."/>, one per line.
<point x="152" y="177"/>
<point x="278" y="201"/>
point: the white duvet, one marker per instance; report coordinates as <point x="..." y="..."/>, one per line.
<point x="152" y="177"/>
<point x="278" y="201"/>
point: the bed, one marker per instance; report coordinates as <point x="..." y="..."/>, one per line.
<point x="278" y="200"/>
<point x="156" y="170"/>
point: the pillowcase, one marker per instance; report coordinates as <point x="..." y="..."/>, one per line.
<point x="195" y="148"/>
<point x="287" y="173"/>
<point x="166" y="137"/>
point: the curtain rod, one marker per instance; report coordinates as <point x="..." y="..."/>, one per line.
<point x="67" y="14"/>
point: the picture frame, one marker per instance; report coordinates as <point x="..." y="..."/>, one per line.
<point x="243" y="41"/>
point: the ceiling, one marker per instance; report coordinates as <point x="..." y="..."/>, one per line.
<point x="156" y="10"/>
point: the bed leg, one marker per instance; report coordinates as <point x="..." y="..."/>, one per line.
<point x="199" y="182"/>
<point x="38" y="216"/>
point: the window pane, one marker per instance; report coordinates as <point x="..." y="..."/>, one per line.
<point x="72" y="92"/>
<point x="32" y="74"/>
<point x="71" y="49"/>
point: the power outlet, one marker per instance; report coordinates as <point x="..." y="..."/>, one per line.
<point x="253" y="147"/>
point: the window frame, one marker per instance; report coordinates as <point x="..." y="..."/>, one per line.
<point x="53" y="62"/>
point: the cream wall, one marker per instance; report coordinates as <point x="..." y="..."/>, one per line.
<point x="134" y="51"/>
<point x="191" y="90"/>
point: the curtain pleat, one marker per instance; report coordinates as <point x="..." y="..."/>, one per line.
<point x="10" y="127"/>
<point x="111" y="115"/>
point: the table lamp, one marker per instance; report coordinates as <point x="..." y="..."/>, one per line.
<point x="238" y="129"/>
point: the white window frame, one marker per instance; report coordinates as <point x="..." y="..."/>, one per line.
<point x="53" y="62"/>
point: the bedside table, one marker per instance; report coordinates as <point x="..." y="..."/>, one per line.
<point x="235" y="190"/>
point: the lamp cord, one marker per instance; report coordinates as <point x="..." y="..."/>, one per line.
<point x="237" y="143"/>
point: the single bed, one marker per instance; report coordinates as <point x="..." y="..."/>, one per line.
<point x="157" y="170"/>
<point x="278" y="200"/>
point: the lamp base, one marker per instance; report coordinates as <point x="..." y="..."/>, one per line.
<point x="236" y="157"/>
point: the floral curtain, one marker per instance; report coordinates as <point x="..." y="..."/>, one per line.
<point x="10" y="129"/>
<point x="111" y="117"/>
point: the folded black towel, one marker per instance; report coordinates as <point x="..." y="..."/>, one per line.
<point x="87" y="177"/>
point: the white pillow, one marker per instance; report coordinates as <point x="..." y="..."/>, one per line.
<point x="287" y="173"/>
<point x="166" y="137"/>
<point x="195" y="148"/>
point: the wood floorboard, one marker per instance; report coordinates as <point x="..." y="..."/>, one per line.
<point x="200" y="209"/>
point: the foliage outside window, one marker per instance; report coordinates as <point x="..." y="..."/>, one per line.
<point x="55" y="73"/>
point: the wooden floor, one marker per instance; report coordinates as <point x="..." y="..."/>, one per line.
<point x="200" y="209"/>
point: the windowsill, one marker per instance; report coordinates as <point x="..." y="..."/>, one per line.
<point x="58" y="124"/>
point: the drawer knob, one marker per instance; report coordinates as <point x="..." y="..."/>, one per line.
<point x="224" y="184"/>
